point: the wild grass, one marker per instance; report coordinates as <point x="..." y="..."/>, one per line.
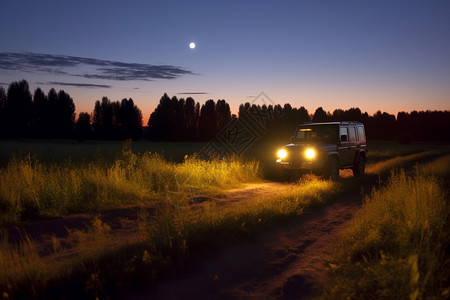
<point x="31" y="189"/>
<point x="21" y="267"/>
<point x="440" y="167"/>
<point x="385" y="166"/>
<point x="395" y="246"/>
<point x="209" y="222"/>
<point x="176" y="232"/>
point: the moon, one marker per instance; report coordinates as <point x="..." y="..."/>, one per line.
<point x="192" y="45"/>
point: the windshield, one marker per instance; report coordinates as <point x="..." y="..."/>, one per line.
<point x="317" y="133"/>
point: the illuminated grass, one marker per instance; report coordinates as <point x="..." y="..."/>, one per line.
<point x="176" y="231"/>
<point x="167" y="239"/>
<point x="30" y="189"/>
<point x="209" y="223"/>
<point x="395" y="246"/>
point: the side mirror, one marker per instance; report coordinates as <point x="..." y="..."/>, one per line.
<point x="343" y="138"/>
<point x="292" y="139"/>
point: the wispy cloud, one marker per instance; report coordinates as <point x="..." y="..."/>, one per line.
<point x="83" y="85"/>
<point x="94" y="68"/>
<point x="193" y="93"/>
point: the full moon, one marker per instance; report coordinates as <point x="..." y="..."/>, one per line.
<point x="192" y="45"/>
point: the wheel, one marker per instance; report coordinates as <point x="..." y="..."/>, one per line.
<point x="360" y="167"/>
<point x="332" y="169"/>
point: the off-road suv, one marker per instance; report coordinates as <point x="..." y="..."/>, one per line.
<point x="325" y="148"/>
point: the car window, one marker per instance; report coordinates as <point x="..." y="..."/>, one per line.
<point x="343" y="132"/>
<point x="352" y="134"/>
<point x="323" y="133"/>
<point x="361" y="133"/>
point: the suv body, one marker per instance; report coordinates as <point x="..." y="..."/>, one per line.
<point x="325" y="148"/>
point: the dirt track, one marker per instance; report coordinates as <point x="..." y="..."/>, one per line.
<point x="287" y="262"/>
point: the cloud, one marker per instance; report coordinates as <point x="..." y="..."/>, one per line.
<point x="97" y="68"/>
<point x="193" y="93"/>
<point x="84" y="85"/>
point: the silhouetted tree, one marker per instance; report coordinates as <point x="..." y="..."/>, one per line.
<point x="64" y="118"/>
<point x="102" y="119"/>
<point x="178" y="124"/>
<point x="320" y="115"/>
<point x="129" y="120"/>
<point x="191" y="115"/>
<point x="18" y="109"/>
<point x="423" y="126"/>
<point x="352" y="114"/>
<point x="381" y="126"/>
<point x="116" y="120"/>
<point x="208" y="121"/>
<point x="3" y="120"/>
<point x="83" y="126"/>
<point x="223" y="114"/>
<point x="41" y="115"/>
<point x="159" y="121"/>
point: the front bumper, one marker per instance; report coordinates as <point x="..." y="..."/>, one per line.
<point x="299" y="165"/>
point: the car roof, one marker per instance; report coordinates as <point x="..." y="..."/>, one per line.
<point x="331" y="123"/>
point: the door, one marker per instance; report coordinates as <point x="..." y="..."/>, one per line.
<point x="345" y="146"/>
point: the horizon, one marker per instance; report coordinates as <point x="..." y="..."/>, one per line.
<point x="261" y="99"/>
<point x="387" y="57"/>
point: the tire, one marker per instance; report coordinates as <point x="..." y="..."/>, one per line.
<point x="332" y="169"/>
<point x="360" y="167"/>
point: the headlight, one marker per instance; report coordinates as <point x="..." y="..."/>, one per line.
<point x="282" y="153"/>
<point x="310" y="153"/>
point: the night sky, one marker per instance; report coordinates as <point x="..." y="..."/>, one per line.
<point x="376" y="55"/>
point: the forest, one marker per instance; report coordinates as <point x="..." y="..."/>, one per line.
<point x="52" y="116"/>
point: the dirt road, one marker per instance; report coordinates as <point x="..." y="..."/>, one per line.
<point x="287" y="262"/>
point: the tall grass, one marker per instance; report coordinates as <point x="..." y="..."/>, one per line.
<point x="440" y="167"/>
<point x="30" y="189"/>
<point x="395" y="247"/>
<point x="102" y="266"/>
<point x="21" y="268"/>
<point x="184" y="229"/>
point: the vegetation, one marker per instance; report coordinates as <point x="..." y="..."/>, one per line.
<point x="395" y="248"/>
<point x="53" y="116"/>
<point x="184" y="224"/>
<point x="167" y="240"/>
<point x="30" y="189"/>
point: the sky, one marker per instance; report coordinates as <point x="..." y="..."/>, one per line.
<point x="387" y="55"/>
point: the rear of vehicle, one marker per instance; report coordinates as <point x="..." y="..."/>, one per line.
<point x="352" y="148"/>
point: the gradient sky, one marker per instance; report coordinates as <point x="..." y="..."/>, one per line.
<point x="386" y="55"/>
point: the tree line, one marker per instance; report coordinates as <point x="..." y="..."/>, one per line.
<point x="51" y="116"/>
<point x="23" y="115"/>
<point x="184" y="120"/>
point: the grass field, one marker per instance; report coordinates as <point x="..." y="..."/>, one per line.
<point x="58" y="151"/>
<point x="397" y="246"/>
<point x="31" y="189"/>
<point x="37" y="185"/>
